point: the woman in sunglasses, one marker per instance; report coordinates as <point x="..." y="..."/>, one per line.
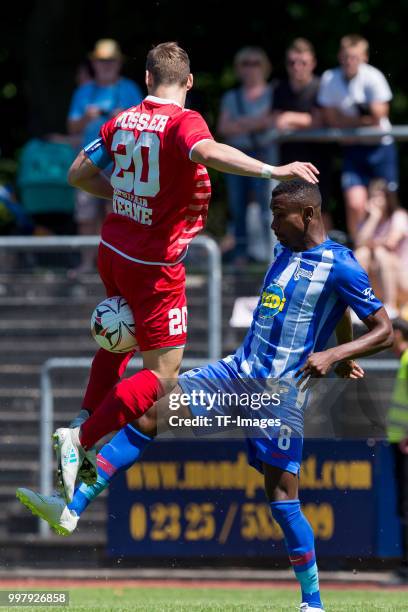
<point x="241" y="124"/>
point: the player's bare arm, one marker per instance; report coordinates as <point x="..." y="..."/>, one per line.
<point x="344" y="334"/>
<point x="228" y="159"/>
<point x="378" y="338"/>
<point x="84" y="175"/>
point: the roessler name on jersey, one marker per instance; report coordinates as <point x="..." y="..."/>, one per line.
<point x="134" y="120"/>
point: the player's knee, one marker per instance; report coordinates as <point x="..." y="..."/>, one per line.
<point x="279" y="484"/>
<point x="147" y="424"/>
<point x="168" y="367"/>
<point x="277" y="493"/>
<point x="168" y="380"/>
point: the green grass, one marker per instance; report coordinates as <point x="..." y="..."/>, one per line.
<point x="118" y="599"/>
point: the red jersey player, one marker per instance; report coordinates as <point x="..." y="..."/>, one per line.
<point x="160" y="191"/>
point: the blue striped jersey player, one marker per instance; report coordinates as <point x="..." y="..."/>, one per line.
<point x="304" y="299"/>
<point x="304" y="296"/>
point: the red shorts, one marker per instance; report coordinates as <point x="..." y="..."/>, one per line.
<point x="156" y="295"/>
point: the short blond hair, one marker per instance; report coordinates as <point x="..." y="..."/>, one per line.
<point x="352" y="40"/>
<point x="168" y="64"/>
<point x="301" y="45"/>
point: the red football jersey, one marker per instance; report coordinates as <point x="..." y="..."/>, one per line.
<point x="161" y="197"/>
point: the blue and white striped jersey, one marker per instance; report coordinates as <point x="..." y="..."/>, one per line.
<point x="304" y="296"/>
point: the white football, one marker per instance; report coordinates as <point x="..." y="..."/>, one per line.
<point x="113" y="325"/>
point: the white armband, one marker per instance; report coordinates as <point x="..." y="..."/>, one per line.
<point x="267" y="171"/>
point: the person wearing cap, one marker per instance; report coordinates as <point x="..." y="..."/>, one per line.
<point x="92" y="105"/>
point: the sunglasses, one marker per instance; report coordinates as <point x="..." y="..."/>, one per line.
<point x="294" y="62"/>
<point x="250" y="63"/>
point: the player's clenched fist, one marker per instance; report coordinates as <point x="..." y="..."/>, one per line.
<point x="304" y="170"/>
<point x="316" y="366"/>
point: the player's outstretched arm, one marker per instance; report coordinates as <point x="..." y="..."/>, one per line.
<point x="378" y="338"/>
<point x="84" y="175"/>
<point x="228" y="159"/>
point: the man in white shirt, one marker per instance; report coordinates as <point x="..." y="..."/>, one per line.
<point x="356" y="95"/>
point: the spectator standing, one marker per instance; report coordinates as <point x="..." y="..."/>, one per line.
<point x="356" y="95"/>
<point x="242" y="125"/>
<point x="295" y="107"/>
<point x="93" y="103"/>
<point x="398" y="437"/>
<point x="382" y="245"/>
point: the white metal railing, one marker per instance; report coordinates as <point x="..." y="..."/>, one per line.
<point x="362" y="135"/>
<point x="72" y="243"/>
<point x="47" y="407"/>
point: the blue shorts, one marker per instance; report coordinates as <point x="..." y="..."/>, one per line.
<point x="363" y="163"/>
<point x="279" y="446"/>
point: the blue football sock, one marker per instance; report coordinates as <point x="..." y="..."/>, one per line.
<point x="299" y="540"/>
<point x="125" y="448"/>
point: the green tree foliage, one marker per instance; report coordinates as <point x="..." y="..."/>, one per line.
<point x="43" y="42"/>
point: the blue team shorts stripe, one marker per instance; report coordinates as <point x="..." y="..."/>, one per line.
<point x="264" y="450"/>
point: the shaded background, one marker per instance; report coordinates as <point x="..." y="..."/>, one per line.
<point x="42" y="43"/>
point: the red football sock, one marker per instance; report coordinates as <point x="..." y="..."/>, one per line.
<point x="106" y="371"/>
<point x="129" y="399"/>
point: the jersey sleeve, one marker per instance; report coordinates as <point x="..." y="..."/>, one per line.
<point x="378" y="89"/>
<point x="352" y="285"/>
<point x="106" y="132"/>
<point x="192" y="129"/>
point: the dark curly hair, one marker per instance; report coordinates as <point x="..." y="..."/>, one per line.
<point x="299" y="192"/>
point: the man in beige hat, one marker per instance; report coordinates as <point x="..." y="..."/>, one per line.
<point x="93" y="104"/>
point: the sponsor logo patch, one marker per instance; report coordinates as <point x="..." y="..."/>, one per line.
<point x="272" y="301"/>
